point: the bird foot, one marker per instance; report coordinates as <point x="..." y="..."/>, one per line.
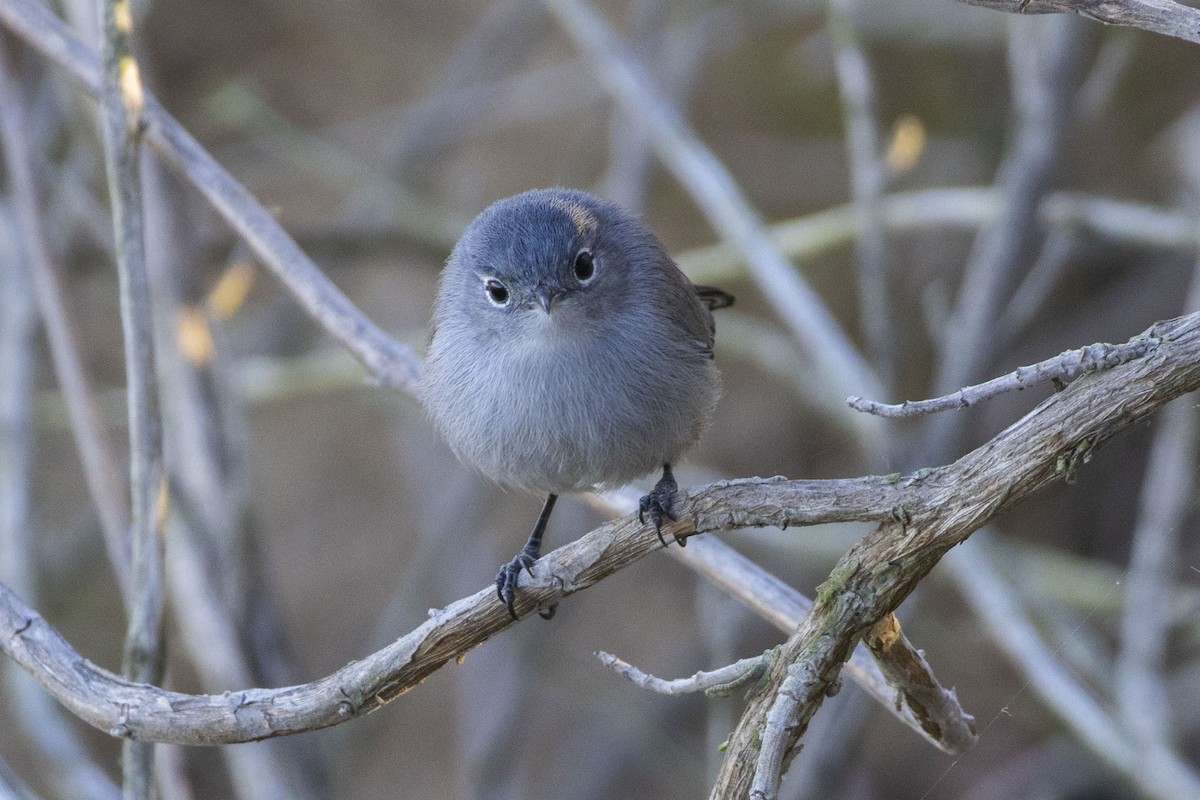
<point x="658" y="504"/>
<point x="506" y="582"/>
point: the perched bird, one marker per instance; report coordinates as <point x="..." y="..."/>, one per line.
<point x="569" y="353"/>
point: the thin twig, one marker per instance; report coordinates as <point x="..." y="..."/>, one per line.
<point x="717" y="194"/>
<point x="1064" y="367"/>
<point x="1044" y="73"/>
<point x="390" y="362"/>
<point x="1158" y="16"/>
<point x="721" y="682"/>
<point x="122" y="107"/>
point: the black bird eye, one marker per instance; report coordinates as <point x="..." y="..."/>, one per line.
<point x="497" y="292"/>
<point x="585" y="265"/>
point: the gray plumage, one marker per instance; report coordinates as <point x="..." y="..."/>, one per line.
<point x="572" y="382"/>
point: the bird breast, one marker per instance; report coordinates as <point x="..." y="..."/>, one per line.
<point x="560" y="414"/>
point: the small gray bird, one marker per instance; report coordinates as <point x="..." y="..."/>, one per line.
<point x="569" y="353"/>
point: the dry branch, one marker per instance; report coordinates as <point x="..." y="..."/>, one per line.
<point x="1064" y="367"/>
<point x="715" y="683"/>
<point x="908" y="690"/>
<point x="937" y="709"/>
<point x="144" y="712"/>
<point x="1158" y="16"/>
<point x="941" y="508"/>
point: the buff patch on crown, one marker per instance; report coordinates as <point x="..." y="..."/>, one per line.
<point x="584" y="220"/>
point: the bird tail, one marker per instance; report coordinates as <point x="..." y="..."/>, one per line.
<point x="714" y="298"/>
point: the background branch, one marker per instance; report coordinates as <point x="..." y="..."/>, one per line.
<point x="390" y="362"/>
<point x="121" y="106"/>
<point x="262" y="469"/>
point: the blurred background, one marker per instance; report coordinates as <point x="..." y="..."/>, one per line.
<point x="1024" y="185"/>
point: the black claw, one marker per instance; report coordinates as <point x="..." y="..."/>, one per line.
<point x="658" y="504"/>
<point x="506" y="580"/>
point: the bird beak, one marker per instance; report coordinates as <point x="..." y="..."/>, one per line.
<point x="545" y="296"/>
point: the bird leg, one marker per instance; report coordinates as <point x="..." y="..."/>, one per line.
<point x="506" y="581"/>
<point x="658" y="504"/>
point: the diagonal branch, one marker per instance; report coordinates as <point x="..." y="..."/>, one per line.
<point x="138" y="711"/>
<point x="1158" y="16"/>
<point x="946" y="505"/>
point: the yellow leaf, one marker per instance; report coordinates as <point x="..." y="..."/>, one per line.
<point x="131" y="92"/>
<point x="908" y="142"/>
<point x="195" y="338"/>
<point x="231" y="290"/>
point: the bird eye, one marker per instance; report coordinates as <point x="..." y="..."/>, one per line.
<point x="585" y="265"/>
<point x="497" y="292"/>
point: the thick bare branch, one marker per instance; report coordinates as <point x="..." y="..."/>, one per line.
<point x="947" y="505"/>
<point x="144" y="712"/>
<point x="1158" y="16"/>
